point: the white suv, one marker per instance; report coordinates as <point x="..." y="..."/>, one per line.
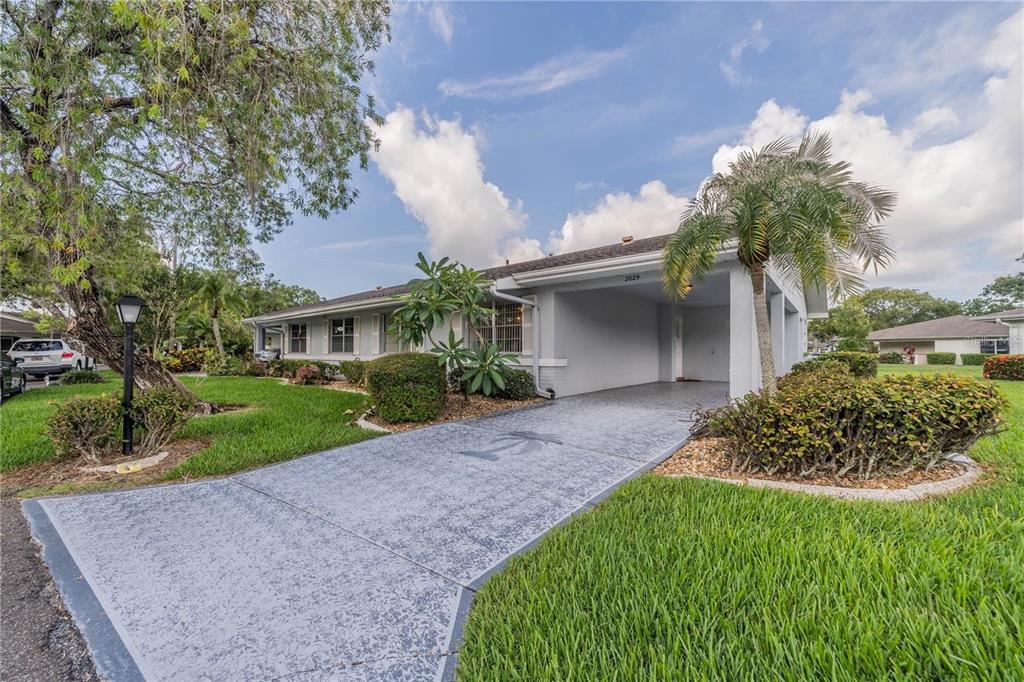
<point x="40" y="357"/>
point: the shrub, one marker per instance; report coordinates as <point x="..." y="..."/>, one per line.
<point x="354" y="370"/>
<point x="838" y="425"/>
<point x="822" y="364"/>
<point x="82" y="376"/>
<point x="976" y="359"/>
<point x="223" y="365"/>
<point x="940" y="358"/>
<point x="891" y="358"/>
<point x="407" y="386"/>
<point x="1009" y="367"/>
<point x="287" y="368"/>
<point x="308" y="374"/>
<point x="184" y="360"/>
<point x="86" y="427"/>
<point x="519" y="385"/>
<point x="256" y="368"/>
<point x="159" y="411"/>
<point x="860" y="364"/>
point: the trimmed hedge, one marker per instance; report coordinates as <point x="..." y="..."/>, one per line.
<point x="860" y="364"/>
<point x="519" y="385"/>
<point x="940" y="358"/>
<point x="160" y="411"/>
<point x="287" y="369"/>
<point x="1008" y="367"/>
<point x="976" y="359"/>
<point x="891" y="358"/>
<point x="817" y="423"/>
<point x="354" y="370"/>
<point x="82" y="376"/>
<point x="86" y="427"/>
<point x="407" y="387"/>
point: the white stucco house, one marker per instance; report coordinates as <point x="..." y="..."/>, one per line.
<point x="955" y="334"/>
<point x="582" y="322"/>
<point x="1014" y="321"/>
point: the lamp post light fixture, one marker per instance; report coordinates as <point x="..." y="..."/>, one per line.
<point x="128" y="309"/>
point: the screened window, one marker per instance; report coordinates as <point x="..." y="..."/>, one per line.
<point x="995" y="346"/>
<point x="343" y="335"/>
<point x="297" y="334"/>
<point x="505" y="330"/>
<point x="389" y="340"/>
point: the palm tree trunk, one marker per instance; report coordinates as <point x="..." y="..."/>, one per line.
<point x="764" y="331"/>
<point x="216" y="334"/>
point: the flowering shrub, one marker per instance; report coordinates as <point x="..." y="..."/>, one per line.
<point x="1009" y="367"/>
<point x="819" y="423"/>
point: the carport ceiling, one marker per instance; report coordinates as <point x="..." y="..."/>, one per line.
<point x="712" y="290"/>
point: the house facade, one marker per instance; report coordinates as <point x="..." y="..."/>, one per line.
<point x="957" y="334"/>
<point x="1014" y="321"/>
<point x="581" y="322"/>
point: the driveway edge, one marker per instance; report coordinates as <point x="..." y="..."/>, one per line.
<point x="109" y="653"/>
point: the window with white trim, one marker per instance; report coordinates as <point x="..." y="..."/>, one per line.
<point x="388" y="339"/>
<point x="343" y="335"/>
<point x="995" y="346"/>
<point x="505" y="328"/>
<point x="297" y="335"/>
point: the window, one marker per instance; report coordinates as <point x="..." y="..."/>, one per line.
<point x="343" y="335"/>
<point x="995" y="346"/>
<point x="389" y="340"/>
<point x="37" y="346"/>
<point x="297" y="338"/>
<point x="505" y="330"/>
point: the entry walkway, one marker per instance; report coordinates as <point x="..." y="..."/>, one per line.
<point x="354" y="564"/>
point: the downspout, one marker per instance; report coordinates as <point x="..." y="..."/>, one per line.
<point x="536" y="335"/>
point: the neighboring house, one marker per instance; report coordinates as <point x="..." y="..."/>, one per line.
<point x="956" y="334"/>
<point x="582" y="321"/>
<point x="1014" y="320"/>
<point x="14" y="327"/>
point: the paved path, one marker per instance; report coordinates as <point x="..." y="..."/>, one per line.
<point x="354" y="564"/>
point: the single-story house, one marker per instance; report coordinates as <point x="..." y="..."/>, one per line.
<point x="955" y="334"/>
<point x="1014" y="321"/>
<point x="582" y="321"/>
<point x="14" y="327"/>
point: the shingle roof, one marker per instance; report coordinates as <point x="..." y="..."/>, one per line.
<point x="637" y="246"/>
<point x="1013" y="313"/>
<point x="955" y="327"/>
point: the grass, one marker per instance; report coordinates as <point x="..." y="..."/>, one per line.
<point x="687" y="579"/>
<point x="284" y="422"/>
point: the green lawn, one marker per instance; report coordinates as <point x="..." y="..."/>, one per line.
<point x="284" y="422"/>
<point x="687" y="579"/>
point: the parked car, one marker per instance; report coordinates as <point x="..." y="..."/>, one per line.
<point x="41" y="357"/>
<point x="268" y="354"/>
<point x="13" y="377"/>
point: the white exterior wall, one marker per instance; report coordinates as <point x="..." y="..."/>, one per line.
<point x="1016" y="335"/>
<point x="607" y="339"/>
<point x="706" y="343"/>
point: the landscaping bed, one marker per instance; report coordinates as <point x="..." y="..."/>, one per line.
<point x="458" y="408"/>
<point x="706" y="457"/>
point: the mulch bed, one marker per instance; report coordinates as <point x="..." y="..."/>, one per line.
<point x="457" y="409"/>
<point x="706" y="457"/>
<point x="345" y="386"/>
<point x="54" y="473"/>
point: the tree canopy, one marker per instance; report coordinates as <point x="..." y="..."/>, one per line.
<point x="1003" y="293"/>
<point x="889" y="307"/>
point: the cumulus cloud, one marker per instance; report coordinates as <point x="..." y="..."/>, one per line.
<point x="754" y="40"/>
<point x="546" y="76"/>
<point x="435" y="167"/>
<point x="652" y="211"/>
<point x="960" y="202"/>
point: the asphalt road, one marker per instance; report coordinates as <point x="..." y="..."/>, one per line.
<point x="38" y="640"/>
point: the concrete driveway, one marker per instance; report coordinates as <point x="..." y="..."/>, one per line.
<point x="354" y="564"/>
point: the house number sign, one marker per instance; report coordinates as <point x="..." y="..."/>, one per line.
<point x="632" y="278"/>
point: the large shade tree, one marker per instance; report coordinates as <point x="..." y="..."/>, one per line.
<point x="790" y="208"/>
<point x="127" y="125"/>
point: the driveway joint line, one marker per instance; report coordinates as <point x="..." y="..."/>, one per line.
<point x="350" y="532"/>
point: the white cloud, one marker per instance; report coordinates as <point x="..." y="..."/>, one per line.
<point x="588" y="185"/>
<point x="549" y="75"/>
<point x="387" y="240"/>
<point x="518" y="250"/>
<point x="440" y="19"/>
<point x="438" y="175"/>
<point x="960" y="201"/>
<point x="652" y="211"/>
<point x="754" y="40"/>
<point x="934" y="120"/>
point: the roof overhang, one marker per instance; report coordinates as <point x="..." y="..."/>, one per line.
<point x="350" y="306"/>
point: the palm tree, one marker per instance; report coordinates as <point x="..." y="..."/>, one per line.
<point x="215" y="294"/>
<point x="792" y="207"/>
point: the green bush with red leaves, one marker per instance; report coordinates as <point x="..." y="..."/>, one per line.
<point x="1007" y="367"/>
<point x="824" y="423"/>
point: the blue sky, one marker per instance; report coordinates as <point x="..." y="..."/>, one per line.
<point x="517" y="129"/>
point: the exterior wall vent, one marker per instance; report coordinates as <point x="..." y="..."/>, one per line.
<point x="627" y="239"/>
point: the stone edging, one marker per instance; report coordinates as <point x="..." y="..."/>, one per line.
<point x="911" y="493"/>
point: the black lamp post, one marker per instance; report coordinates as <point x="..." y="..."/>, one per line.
<point x="128" y="309"/>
